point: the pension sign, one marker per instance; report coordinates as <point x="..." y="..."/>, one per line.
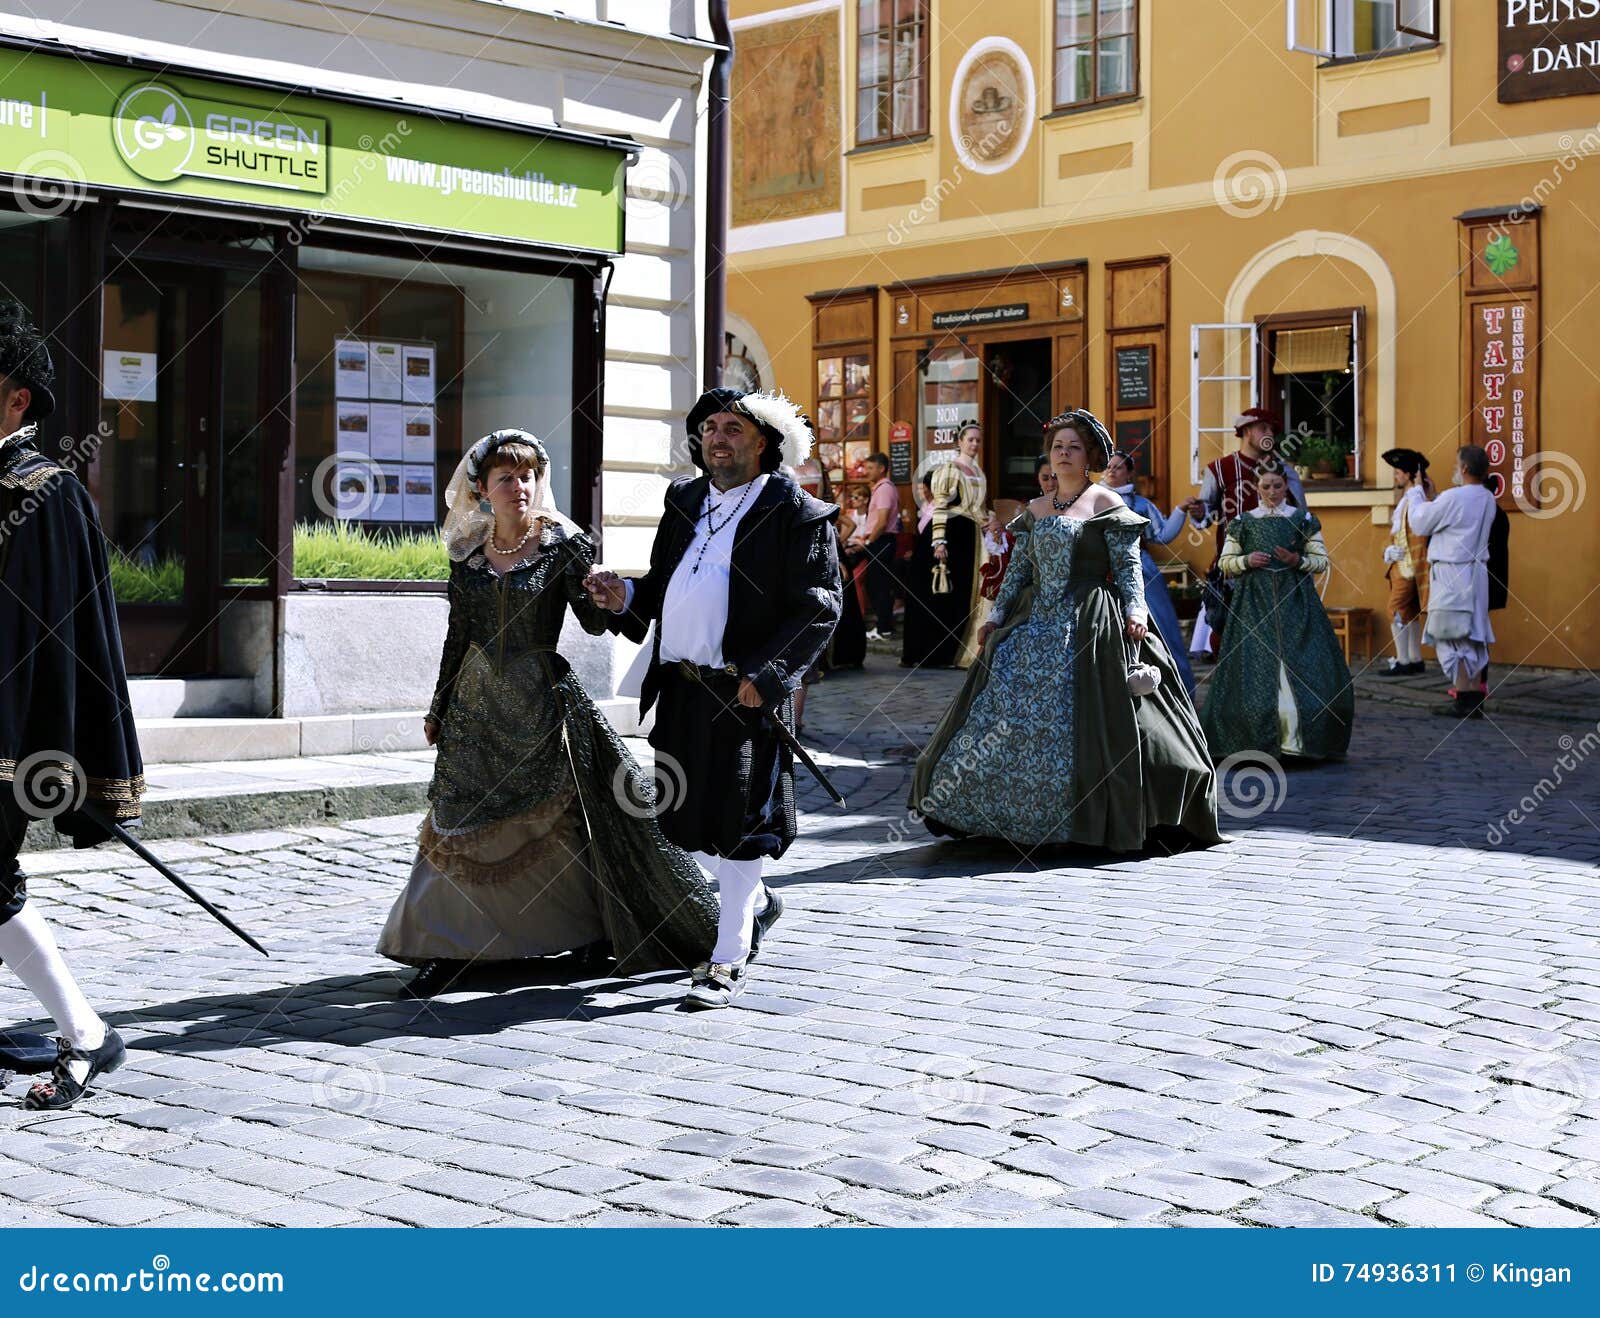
<point x="1549" y="48"/>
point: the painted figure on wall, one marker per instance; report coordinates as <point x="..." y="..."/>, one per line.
<point x="786" y="120"/>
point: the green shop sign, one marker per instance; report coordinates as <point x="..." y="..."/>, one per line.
<point x="85" y="123"/>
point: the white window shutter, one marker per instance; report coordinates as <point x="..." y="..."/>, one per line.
<point x="1234" y="347"/>
<point x="1357" y="317"/>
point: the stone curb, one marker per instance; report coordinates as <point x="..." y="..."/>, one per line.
<point x="246" y="812"/>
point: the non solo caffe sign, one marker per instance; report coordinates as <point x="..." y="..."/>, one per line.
<point x="73" y="124"/>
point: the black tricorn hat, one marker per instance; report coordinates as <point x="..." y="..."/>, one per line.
<point x="25" y="360"/>
<point x="1408" y="460"/>
<point x="787" y="431"/>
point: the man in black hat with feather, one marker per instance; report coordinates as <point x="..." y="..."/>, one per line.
<point x="66" y="728"/>
<point x="744" y="592"/>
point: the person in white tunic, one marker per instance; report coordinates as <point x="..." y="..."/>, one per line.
<point x="1458" y="523"/>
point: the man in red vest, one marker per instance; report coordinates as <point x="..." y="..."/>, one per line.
<point x="1228" y="490"/>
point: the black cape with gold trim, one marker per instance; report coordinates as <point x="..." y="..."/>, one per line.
<point x="63" y="686"/>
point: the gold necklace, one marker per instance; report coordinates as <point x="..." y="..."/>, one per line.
<point x="495" y="544"/>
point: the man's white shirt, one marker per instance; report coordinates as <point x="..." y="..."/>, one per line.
<point x="694" y="609"/>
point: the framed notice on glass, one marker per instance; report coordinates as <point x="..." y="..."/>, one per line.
<point x="417" y="493"/>
<point x="417" y="383"/>
<point x="384" y="371"/>
<point x="350" y="368"/>
<point x="354" y="430"/>
<point x="418" y="443"/>
<point x="388" y="431"/>
<point x="389" y="506"/>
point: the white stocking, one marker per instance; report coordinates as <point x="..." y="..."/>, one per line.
<point x="742" y="893"/>
<point x="1407" y="648"/>
<point x="28" y="947"/>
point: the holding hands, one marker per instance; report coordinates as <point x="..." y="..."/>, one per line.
<point x="607" y="590"/>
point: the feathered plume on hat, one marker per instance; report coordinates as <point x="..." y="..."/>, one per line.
<point x="778" y="412"/>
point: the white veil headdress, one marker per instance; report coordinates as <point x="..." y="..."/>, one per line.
<point x="466" y="524"/>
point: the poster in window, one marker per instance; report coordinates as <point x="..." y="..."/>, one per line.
<point x="383" y="372"/>
<point x="830" y="378"/>
<point x="129" y="377"/>
<point x="354" y="491"/>
<point x="389" y="506"/>
<point x="419" y="446"/>
<point x="352" y="420"/>
<point x="1136" y="376"/>
<point x="417" y="491"/>
<point x="349" y="368"/>
<point x="418" y="384"/>
<point x="388" y="431"/>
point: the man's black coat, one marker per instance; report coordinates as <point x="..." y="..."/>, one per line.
<point x="784" y="591"/>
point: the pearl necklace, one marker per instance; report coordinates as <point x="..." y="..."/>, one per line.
<point x="1062" y="507"/>
<point x="495" y="544"/>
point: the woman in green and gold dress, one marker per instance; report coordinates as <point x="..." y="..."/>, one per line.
<point x="1281" y="686"/>
<point x="1050" y="739"/>
<point x="542" y="836"/>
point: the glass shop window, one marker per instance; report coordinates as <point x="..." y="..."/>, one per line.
<point x="401" y="366"/>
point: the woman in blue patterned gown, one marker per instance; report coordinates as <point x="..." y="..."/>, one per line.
<point x="1048" y="741"/>
<point x="1160" y="531"/>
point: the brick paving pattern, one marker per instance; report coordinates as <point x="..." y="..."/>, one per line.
<point x="1362" y="1011"/>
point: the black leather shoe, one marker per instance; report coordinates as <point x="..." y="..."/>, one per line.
<point x="63" y="1089"/>
<point x="764" y="921"/>
<point x="435" y="977"/>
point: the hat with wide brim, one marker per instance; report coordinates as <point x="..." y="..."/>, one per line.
<point x="1407" y="460"/>
<point x="25" y="360"/>
<point x="787" y="432"/>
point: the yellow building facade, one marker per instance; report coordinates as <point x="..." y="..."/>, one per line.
<point x="1379" y="217"/>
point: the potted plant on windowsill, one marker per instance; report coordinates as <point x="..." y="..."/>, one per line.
<point x="1319" y="457"/>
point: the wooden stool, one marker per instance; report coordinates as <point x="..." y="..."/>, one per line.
<point x="1353" y="627"/>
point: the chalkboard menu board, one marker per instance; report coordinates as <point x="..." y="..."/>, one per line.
<point x="1136" y="376"/>
<point x="1134" y="437"/>
<point x="900" y="461"/>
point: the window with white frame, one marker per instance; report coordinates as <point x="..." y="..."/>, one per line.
<point x="1096" y="51"/>
<point x="1344" y="29"/>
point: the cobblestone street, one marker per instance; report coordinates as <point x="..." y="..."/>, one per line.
<point x="1379" y="1004"/>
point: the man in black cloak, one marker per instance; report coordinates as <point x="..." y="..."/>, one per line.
<point x="744" y="591"/>
<point x="66" y="729"/>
